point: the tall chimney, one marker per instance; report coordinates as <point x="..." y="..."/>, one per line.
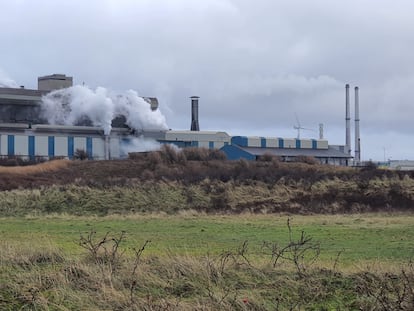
<point x="347" y="121"/>
<point x="194" y="114"/>
<point x="321" y="131"/>
<point x="357" y="137"/>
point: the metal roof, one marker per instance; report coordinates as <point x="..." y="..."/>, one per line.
<point x="291" y="152"/>
<point x="198" y="132"/>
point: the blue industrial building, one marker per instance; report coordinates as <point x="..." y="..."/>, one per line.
<point x="23" y="133"/>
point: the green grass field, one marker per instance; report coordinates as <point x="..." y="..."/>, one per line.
<point x="367" y="237"/>
<point x="195" y="262"/>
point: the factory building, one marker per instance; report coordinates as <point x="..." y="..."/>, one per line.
<point x="24" y="132"/>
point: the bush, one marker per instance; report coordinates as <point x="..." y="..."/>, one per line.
<point x="80" y="154"/>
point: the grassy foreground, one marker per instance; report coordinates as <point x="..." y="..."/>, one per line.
<point x="200" y="262"/>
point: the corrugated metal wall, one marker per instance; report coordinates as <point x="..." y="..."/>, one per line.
<point x="275" y="142"/>
<point x="30" y="146"/>
<point x="203" y="139"/>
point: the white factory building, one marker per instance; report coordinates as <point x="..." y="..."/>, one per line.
<point x="25" y="133"/>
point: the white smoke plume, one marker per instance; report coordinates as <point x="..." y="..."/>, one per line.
<point x="5" y="81"/>
<point x="140" y="144"/>
<point x="73" y="105"/>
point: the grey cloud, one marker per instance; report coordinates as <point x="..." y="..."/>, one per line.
<point x="254" y="64"/>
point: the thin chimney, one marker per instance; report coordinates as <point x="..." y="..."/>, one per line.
<point x="194" y="114"/>
<point x="347" y="121"/>
<point x="357" y="137"/>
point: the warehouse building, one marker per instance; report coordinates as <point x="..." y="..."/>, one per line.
<point x="25" y="132"/>
<point x="288" y="150"/>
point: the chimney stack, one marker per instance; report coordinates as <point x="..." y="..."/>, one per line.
<point x="321" y="131"/>
<point x="347" y="121"/>
<point x="194" y="114"/>
<point x="357" y="137"/>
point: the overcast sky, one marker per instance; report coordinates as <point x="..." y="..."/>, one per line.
<point x="254" y="64"/>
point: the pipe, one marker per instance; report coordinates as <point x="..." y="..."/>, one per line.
<point x="194" y="114"/>
<point x="357" y="136"/>
<point x="347" y="122"/>
<point x="106" y="147"/>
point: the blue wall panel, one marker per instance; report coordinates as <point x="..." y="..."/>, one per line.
<point x="263" y="142"/>
<point x="10" y="145"/>
<point x="297" y="143"/>
<point x="31" y="147"/>
<point x="51" y="146"/>
<point x="194" y="143"/>
<point x="239" y="140"/>
<point x="314" y="144"/>
<point x="71" y="145"/>
<point x="211" y="144"/>
<point x="89" y="145"/>
<point x="281" y="143"/>
<point x="233" y="152"/>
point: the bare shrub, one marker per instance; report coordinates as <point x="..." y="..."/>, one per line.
<point x="302" y="252"/>
<point x="80" y="154"/>
<point x="387" y="291"/>
<point x="203" y="154"/>
<point x="307" y="159"/>
<point x="196" y="154"/>
<point x="266" y="157"/>
<point x="169" y="154"/>
<point x="154" y="159"/>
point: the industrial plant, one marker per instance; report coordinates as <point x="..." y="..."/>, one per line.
<point x="31" y="129"/>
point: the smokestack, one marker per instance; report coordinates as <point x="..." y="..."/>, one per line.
<point x="347" y="121"/>
<point x="321" y="131"/>
<point x="194" y="114"/>
<point x="106" y="147"/>
<point x="357" y="137"/>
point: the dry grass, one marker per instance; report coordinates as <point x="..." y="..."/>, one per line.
<point x="45" y="167"/>
<point x="40" y="278"/>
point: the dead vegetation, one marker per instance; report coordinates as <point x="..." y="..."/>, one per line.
<point x="199" y="179"/>
<point x="109" y="276"/>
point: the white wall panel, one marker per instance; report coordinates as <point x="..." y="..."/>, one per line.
<point x="254" y="141"/>
<point x="21" y="145"/>
<point x="289" y="143"/>
<point x="79" y="143"/>
<point x="272" y="142"/>
<point x="197" y="136"/>
<point x="98" y="148"/>
<point x="61" y="146"/>
<point x="322" y="144"/>
<point x="114" y="147"/>
<point x="3" y="144"/>
<point x="41" y="146"/>
<point x="306" y="143"/>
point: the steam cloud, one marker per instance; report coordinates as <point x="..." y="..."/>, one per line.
<point x="5" y="81"/>
<point x="80" y="104"/>
<point x="140" y="144"/>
